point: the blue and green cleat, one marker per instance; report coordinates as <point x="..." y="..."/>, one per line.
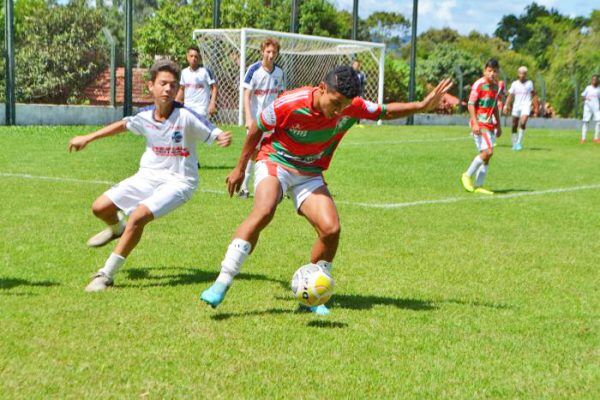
<point x="214" y="295"/>
<point x="319" y="310"/>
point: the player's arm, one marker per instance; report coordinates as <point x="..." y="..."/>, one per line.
<point x="508" y="105"/>
<point x="400" y="110"/>
<point x="79" y="142"/>
<point x="180" y="94"/>
<point x="473" y="115"/>
<point x="212" y="106"/>
<point x="498" y="121"/>
<point x="235" y="178"/>
<point x="247" y="112"/>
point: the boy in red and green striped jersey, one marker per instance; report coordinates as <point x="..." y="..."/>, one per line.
<point x="308" y="125"/>
<point x="485" y="126"/>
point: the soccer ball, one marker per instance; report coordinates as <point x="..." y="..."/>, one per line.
<point x="312" y="285"/>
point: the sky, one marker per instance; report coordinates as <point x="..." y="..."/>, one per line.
<point x="465" y="15"/>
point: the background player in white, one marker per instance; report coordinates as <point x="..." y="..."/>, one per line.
<point x="197" y="87"/>
<point x="168" y="174"/>
<point x="521" y="96"/>
<point x="591" y="109"/>
<point x="263" y="82"/>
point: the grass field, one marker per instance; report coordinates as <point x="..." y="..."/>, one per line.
<point x="440" y="294"/>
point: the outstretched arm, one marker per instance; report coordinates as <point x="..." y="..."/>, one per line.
<point x="212" y="107"/>
<point x="79" y="142"/>
<point x="400" y="110"/>
<point x="236" y="177"/>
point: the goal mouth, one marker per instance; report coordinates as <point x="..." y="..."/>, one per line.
<point x="304" y="59"/>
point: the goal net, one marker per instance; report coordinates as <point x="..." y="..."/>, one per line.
<point x="304" y="59"/>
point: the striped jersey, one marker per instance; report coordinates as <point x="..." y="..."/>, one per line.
<point x="484" y="96"/>
<point x="303" y="139"/>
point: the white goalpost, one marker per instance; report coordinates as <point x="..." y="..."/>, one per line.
<point x="305" y="59"/>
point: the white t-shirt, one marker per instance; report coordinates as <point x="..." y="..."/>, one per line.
<point x="592" y="96"/>
<point x="264" y="86"/>
<point x="196" y="84"/>
<point x="171" y="145"/>
<point x="522" y="92"/>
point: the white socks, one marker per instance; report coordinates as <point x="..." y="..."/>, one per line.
<point x="513" y="138"/>
<point x="597" y="132"/>
<point x="584" y="129"/>
<point x="477" y="162"/>
<point x="481" y="174"/>
<point x="118" y="228"/>
<point x="248" y="174"/>
<point x="521" y="133"/>
<point x="235" y="256"/>
<point x="112" y="265"/>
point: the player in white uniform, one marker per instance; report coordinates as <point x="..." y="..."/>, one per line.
<point x="263" y="82"/>
<point x="521" y="96"/>
<point x="197" y="87"/>
<point x="168" y="173"/>
<point x="591" y="109"/>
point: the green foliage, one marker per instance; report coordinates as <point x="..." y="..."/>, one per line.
<point x="442" y="63"/>
<point x="57" y="50"/>
<point x="397" y="74"/>
<point x="320" y="18"/>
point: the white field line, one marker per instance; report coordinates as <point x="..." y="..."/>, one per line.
<point x="446" y="200"/>
<point x="367" y="143"/>
<point x="75" y="180"/>
<point x="474" y="197"/>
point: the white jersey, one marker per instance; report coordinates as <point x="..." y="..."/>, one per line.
<point x="171" y="145"/>
<point x="264" y="86"/>
<point x="592" y="96"/>
<point x="523" y="94"/>
<point x="196" y="84"/>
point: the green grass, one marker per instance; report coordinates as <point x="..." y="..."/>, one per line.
<point x="466" y="300"/>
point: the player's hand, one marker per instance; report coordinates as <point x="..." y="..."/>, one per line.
<point x="498" y="130"/>
<point x="77" y="143"/>
<point x="434" y="97"/>
<point x="224" y="139"/>
<point x="249" y="122"/>
<point x="476" y="129"/>
<point x="505" y="111"/>
<point x="212" y="108"/>
<point x="234" y="181"/>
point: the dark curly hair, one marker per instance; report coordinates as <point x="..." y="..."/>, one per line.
<point x="165" y="65"/>
<point x="344" y="80"/>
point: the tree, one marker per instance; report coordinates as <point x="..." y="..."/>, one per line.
<point x="388" y="27"/>
<point x="57" y="50"/>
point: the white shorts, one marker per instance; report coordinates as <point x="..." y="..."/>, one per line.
<point x="485" y="141"/>
<point x="298" y="187"/>
<point x="520" y="110"/>
<point x="159" y="192"/>
<point x="588" y="114"/>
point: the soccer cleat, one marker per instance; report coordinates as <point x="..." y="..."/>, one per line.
<point x="214" y="295"/>
<point x="243" y="194"/>
<point x="99" y="283"/>
<point x="597" y="141"/>
<point x="582" y="141"/>
<point x="106" y="235"/>
<point x="320" y="310"/>
<point x="467" y="183"/>
<point x="518" y="147"/>
<point x="481" y="190"/>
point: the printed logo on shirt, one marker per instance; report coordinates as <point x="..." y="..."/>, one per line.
<point x="177" y="136"/>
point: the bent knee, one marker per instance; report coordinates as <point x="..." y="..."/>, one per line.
<point x="101" y="207"/>
<point x="140" y="217"/>
<point x="330" y="229"/>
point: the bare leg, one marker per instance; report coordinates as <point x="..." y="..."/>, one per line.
<point x="319" y="209"/>
<point x="133" y="230"/>
<point x="104" y="209"/>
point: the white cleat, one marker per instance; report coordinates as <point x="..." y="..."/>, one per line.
<point x="99" y="283"/>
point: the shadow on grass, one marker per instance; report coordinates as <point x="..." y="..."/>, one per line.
<point x="507" y="191"/>
<point x="181" y="276"/>
<point x="476" y="304"/>
<point x="10" y="283"/>
<point x="357" y="302"/>
<point x="271" y="311"/>
<point x="216" y="167"/>
<point x="319" y="323"/>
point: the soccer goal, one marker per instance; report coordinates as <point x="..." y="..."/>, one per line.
<point x="304" y="59"/>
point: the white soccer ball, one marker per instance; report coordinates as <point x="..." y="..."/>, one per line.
<point x="312" y="285"/>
